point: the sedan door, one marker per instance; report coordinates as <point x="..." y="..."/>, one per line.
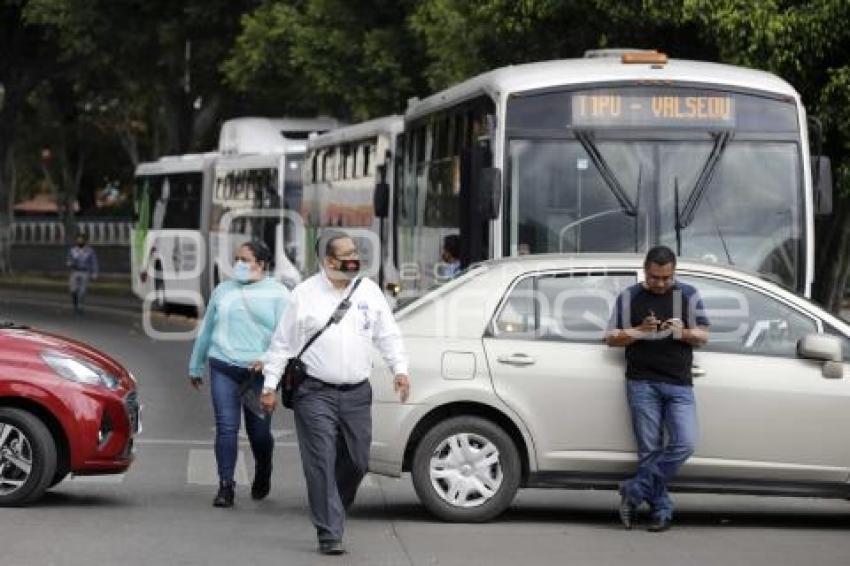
<point x="764" y="413"/>
<point x="549" y="363"/>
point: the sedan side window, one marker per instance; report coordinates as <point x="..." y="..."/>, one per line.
<point x="744" y="321"/>
<point x="572" y="307"/>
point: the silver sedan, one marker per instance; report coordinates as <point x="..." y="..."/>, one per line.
<point x="513" y="386"/>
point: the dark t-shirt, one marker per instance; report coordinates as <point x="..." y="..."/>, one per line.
<point x="662" y="358"/>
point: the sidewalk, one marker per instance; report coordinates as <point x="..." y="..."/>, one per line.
<point x="106" y="285"/>
<point x="97" y="304"/>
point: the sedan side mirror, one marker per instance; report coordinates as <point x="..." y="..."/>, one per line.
<point x="826" y="348"/>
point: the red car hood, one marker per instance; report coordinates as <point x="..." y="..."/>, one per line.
<point x="27" y="343"/>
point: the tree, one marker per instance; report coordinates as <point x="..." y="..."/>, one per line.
<point x="353" y="60"/>
<point x="26" y="57"/>
<point x="143" y="73"/>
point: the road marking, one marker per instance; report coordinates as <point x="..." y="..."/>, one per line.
<point x="202" y="469"/>
<point x="179" y="442"/>
<point x="107" y="479"/>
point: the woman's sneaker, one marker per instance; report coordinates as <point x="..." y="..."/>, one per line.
<point x="225" y="495"/>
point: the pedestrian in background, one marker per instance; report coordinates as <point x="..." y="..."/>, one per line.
<point x="333" y="404"/>
<point x="659" y="322"/>
<point x="239" y="322"/>
<point x="82" y="260"/>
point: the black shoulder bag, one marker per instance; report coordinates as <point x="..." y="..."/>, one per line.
<point x="295" y="371"/>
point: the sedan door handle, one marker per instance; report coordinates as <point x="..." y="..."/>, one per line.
<point x="517" y="360"/>
<point x="697" y="371"/>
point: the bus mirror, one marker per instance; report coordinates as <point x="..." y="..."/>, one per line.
<point x="381" y="199"/>
<point x="822" y="184"/>
<point x="490" y="192"/>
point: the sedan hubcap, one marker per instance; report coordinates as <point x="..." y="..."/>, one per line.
<point x="15" y="459"/>
<point x="466" y="470"/>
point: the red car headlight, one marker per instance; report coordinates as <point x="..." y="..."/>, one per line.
<point x="81" y="371"/>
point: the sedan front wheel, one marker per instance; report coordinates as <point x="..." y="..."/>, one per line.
<point x="466" y="469"/>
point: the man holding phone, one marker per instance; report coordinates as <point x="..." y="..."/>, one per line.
<point x="659" y="322"/>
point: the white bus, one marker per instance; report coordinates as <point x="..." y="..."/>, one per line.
<point x="348" y="183"/>
<point x="168" y="255"/>
<point x="258" y="190"/>
<point x="615" y="152"/>
<point x="194" y="210"/>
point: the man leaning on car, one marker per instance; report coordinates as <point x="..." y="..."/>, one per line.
<point x="659" y="322"/>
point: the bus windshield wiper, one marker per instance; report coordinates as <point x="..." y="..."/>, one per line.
<point x="721" y="140"/>
<point x="586" y="141"/>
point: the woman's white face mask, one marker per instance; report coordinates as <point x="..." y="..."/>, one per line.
<point x="242" y="272"/>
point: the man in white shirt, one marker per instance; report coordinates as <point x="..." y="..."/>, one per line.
<point x="333" y="405"/>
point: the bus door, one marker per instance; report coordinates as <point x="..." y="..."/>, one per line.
<point x="474" y="220"/>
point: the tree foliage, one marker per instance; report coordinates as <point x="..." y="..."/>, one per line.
<point x="355" y="60"/>
<point x="156" y="76"/>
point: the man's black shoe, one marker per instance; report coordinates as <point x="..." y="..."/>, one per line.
<point x="225" y="495"/>
<point x="659" y="525"/>
<point x="331" y="547"/>
<point x="627" y="512"/>
<point x="262" y="482"/>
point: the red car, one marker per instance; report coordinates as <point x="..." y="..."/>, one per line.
<point x="64" y="408"/>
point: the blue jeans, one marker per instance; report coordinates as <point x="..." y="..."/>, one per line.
<point x="224" y="383"/>
<point x="657" y="407"/>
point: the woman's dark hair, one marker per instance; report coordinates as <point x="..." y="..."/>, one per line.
<point x="261" y="252"/>
<point x="660" y="255"/>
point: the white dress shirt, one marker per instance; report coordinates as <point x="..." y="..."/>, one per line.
<point x="343" y="353"/>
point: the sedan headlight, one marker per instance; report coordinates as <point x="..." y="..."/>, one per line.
<point x="81" y="371"/>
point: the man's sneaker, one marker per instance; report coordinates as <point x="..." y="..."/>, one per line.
<point x="659" y="525"/>
<point x="262" y="482"/>
<point x="627" y="512"/>
<point x="225" y="495"/>
<point x="331" y="547"/>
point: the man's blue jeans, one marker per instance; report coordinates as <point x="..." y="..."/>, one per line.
<point x="657" y="408"/>
<point x="224" y="383"/>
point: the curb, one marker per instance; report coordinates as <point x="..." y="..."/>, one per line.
<point x="131" y="311"/>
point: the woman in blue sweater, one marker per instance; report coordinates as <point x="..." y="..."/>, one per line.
<point x="239" y="322"/>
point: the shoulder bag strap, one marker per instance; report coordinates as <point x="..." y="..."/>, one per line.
<point x="338" y="314"/>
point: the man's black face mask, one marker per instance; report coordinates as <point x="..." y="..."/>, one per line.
<point x="349" y="265"/>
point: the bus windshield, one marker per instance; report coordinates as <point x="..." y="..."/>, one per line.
<point x="735" y="196"/>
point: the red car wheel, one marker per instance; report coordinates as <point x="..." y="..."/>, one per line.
<point x="27" y="457"/>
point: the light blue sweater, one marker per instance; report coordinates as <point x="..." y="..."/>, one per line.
<point x="239" y="323"/>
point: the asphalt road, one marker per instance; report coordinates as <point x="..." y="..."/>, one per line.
<point x="159" y="513"/>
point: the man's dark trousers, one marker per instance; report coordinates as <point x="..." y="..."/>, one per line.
<point x="334" y="426"/>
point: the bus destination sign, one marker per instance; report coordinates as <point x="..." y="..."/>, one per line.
<point x="667" y="110"/>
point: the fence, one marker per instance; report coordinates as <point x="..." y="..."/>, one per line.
<point x="51" y="232"/>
